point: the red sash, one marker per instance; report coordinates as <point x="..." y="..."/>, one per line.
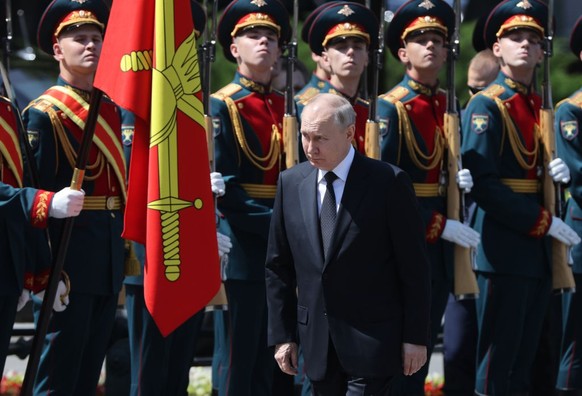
<point x="107" y="139"/>
<point x="9" y="145"/>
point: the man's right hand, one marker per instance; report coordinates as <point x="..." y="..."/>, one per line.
<point x="61" y="300"/>
<point x="413" y="358"/>
<point x="286" y="357"/>
<point x="66" y="203"/>
<point x="563" y="232"/>
<point x="462" y="235"/>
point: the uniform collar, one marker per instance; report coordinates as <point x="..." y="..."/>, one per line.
<point x="81" y="92"/>
<point x="335" y="91"/>
<point x="419" y="87"/>
<point x="516" y="86"/>
<point x="252" y="85"/>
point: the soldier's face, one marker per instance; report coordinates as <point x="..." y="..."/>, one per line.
<point x="425" y="51"/>
<point x="347" y="57"/>
<point x="519" y="49"/>
<point x="257" y="48"/>
<point x="79" y="49"/>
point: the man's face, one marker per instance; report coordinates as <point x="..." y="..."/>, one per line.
<point x="425" y="51"/>
<point x="325" y="143"/>
<point x="347" y="57"/>
<point x="256" y="48"/>
<point x="520" y="49"/>
<point x="79" y="49"/>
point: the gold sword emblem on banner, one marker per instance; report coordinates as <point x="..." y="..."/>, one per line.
<point x="175" y="81"/>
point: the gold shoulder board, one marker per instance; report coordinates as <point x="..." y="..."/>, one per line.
<point x="307" y="95"/>
<point x="227" y="91"/>
<point x="396" y="94"/>
<point x="492" y="91"/>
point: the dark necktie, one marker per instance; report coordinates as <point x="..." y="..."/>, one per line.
<point x="328" y="212"/>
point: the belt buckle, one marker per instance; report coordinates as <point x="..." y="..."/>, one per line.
<point x="110" y="203"/>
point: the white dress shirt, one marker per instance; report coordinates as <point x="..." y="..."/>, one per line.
<point x="341" y="171"/>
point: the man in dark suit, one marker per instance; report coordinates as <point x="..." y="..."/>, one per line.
<point x="355" y="292"/>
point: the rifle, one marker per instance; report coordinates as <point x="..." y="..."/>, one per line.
<point x="562" y="278"/>
<point x="290" y="144"/>
<point x="465" y="285"/>
<point x="372" y="137"/>
<point x="208" y="49"/>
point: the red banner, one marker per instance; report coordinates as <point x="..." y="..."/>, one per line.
<point x="149" y="66"/>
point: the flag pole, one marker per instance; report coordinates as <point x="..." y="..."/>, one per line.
<point x="59" y="260"/>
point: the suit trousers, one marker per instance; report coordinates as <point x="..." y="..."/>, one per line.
<point x="337" y="382"/>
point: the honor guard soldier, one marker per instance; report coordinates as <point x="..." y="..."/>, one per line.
<point x="77" y="338"/>
<point x="460" y="324"/>
<point x="411" y="117"/>
<point x="501" y="147"/>
<point x="342" y="35"/>
<point x="568" y="142"/>
<point x="322" y="73"/>
<point x="247" y="118"/>
<point x="21" y="210"/>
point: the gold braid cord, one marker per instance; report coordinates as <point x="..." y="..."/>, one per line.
<point x="272" y="156"/>
<point x="434" y="159"/>
<point x="70" y="152"/>
<point x="519" y="150"/>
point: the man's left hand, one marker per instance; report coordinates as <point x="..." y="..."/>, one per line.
<point x="286" y="357"/>
<point x="413" y="358"/>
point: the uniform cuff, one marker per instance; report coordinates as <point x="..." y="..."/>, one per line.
<point x="40" y="208"/>
<point x="435" y="227"/>
<point x="542" y="224"/>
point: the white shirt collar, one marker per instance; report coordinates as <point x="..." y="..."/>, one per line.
<point x="342" y="169"/>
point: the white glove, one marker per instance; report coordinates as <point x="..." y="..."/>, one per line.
<point x="67" y="203"/>
<point x="465" y="180"/>
<point x="224" y="244"/>
<point x="217" y="184"/>
<point x="62" y="298"/>
<point x="559" y="171"/>
<point x="23" y="299"/>
<point x="462" y="235"/>
<point x="562" y="232"/>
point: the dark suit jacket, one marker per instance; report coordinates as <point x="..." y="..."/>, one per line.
<point x="372" y="292"/>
